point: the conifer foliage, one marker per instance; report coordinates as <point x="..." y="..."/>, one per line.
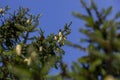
<point x="23" y="56"/>
<point x="27" y="57"/>
<point x="102" y="61"/>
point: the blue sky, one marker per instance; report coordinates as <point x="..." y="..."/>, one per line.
<point x="58" y="12"/>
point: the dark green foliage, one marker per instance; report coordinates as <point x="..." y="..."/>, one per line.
<point x="26" y="57"/>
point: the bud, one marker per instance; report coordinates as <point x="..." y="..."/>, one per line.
<point x="33" y="55"/>
<point x="60" y="38"/>
<point x="18" y="49"/>
<point x="60" y="34"/>
<point x="28" y="21"/>
<point x="58" y="41"/>
<point x="109" y="77"/>
<point x="55" y="37"/>
<point x="61" y="43"/>
<point x="28" y="60"/>
<point x="40" y="48"/>
<point x="1" y="10"/>
<point x="64" y="38"/>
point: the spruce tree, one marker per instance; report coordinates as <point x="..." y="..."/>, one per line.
<point x="27" y="57"/>
<point x="23" y="56"/>
<point x="102" y="61"/>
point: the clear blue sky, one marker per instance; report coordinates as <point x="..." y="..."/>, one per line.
<point x="58" y="12"/>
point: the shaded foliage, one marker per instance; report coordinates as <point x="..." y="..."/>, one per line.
<point x="102" y="59"/>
